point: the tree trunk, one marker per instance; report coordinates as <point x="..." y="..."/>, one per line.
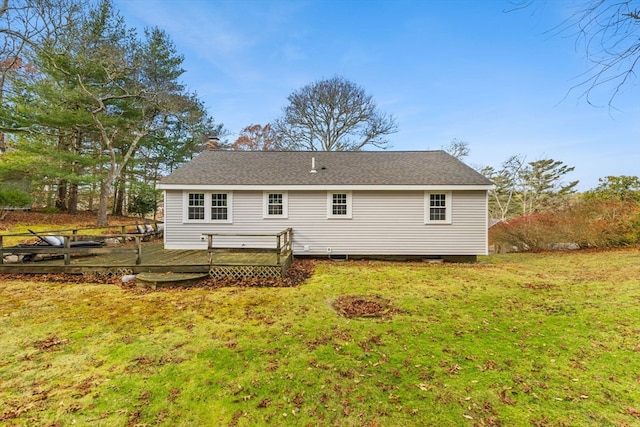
<point x="73" y="199"/>
<point x="73" y="187"/>
<point x="114" y="171"/>
<point x="105" y="192"/>
<point x="119" y="198"/>
<point x="61" y="198"/>
<point x="116" y="191"/>
<point x="92" y="192"/>
<point x="3" y="143"/>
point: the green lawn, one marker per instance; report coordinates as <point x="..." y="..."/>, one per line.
<point x="516" y="340"/>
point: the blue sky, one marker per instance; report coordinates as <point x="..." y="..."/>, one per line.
<point x="471" y="70"/>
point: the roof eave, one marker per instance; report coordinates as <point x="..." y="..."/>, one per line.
<point x="340" y="187"/>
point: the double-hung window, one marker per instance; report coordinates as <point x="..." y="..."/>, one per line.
<point x="208" y="207"/>
<point x="219" y="207"/>
<point x="275" y="205"/>
<point x="339" y="204"/>
<point x="195" y="206"/>
<point x="437" y="208"/>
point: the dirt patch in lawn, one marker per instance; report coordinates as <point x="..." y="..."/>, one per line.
<point x="364" y="306"/>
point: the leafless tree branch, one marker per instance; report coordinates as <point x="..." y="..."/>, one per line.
<point x="608" y="32"/>
<point x="333" y="115"/>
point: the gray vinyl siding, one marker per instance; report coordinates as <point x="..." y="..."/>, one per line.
<point x="382" y="223"/>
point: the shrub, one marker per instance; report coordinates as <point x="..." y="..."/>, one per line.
<point x="14" y="198"/>
<point x="589" y="223"/>
<point x="144" y="202"/>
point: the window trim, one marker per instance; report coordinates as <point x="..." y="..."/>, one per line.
<point x="207" y="208"/>
<point x="188" y="206"/>
<point x="265" y="205"/>
<point x="330" y="214"/>
<point x="226" y="206"/>
<point x="427" y="207"/>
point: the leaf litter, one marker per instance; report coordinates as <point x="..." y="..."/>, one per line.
<point x="364" y="306"/>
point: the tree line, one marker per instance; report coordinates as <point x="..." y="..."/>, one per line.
<point x="533" y="207"/>
<point x="90" y="109"/>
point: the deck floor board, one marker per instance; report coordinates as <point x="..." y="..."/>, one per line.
<point x="154" y="258"/>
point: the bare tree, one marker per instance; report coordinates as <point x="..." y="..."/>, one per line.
<point x="507" y="181"/>
<point x="537" y="186"/>
<point x="457" y="148"/>
<point x="333" y="115"/>
<point x="609" y="33"/>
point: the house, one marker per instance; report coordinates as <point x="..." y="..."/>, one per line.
<point x="342" y="204"/>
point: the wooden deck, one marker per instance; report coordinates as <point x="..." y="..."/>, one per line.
<point x="154" y="258"/>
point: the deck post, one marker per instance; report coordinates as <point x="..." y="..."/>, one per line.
<point x="67" y="250"/>
<point x="278" y="247"/>
<point x="209" y="247"/>
<point x="1" y="251"/>
<point x="138" y="251"/>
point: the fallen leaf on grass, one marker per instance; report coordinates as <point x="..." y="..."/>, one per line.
<point x="50" y="343"/>
<point x="453" y="369"/>
<point x="264" y="403"/>
<point x="505" y="398"/>
<point x="173" y="394"/>
<point x="394" y="398"/>
<point x="633" y="412"/>
<point x="14" y="413"/>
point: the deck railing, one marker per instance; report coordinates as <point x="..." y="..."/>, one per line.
<point x="282" y="242"/>
<point x="65" y="251"/>
<point x="269" y="261"/>
<point x="71" y="235"/>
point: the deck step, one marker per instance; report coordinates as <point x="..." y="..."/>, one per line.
<point x="155" y="280"/>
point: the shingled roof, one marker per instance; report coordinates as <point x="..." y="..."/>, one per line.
<point x="293" y="168"/>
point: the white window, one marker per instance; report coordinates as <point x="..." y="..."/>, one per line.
<point x="339" y="204"/>
<point x="195" y="206"/>
<point x="208" y="207"/>
<point x="437" y="208"/>
<point x="219" y="207"/>
<point x="275" y="205"/>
